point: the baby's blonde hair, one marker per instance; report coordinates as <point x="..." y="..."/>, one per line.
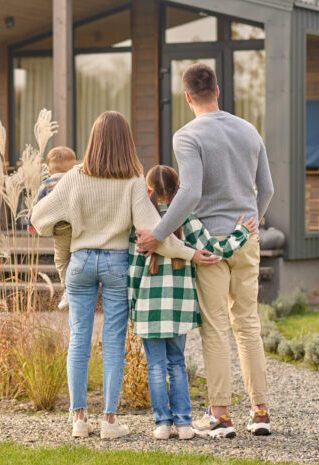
<point x="60" y="160"/>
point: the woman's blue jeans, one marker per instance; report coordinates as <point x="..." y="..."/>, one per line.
<point x="88" y="269"/>
<point x="171" y="404"/>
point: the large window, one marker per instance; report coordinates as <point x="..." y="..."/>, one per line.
<point x="312" y="135"/>
<point x="103" y="82"/>
<point x="33" y="90"/>
<point x="249" y="87"/>
<point x="234" y="50"/>
<point x="103" y="71"/>
<point x="102" y="79"/>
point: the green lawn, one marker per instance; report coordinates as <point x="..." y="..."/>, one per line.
<point x="299" y="324"/>
<point x="17" y="455"/>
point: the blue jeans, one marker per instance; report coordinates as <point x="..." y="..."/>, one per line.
<point x="170" y="405"/>
<point x="88" y="269"/>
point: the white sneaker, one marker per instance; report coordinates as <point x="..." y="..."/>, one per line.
<point x="64" y="302"/>
<point x="82" y="428"/>
<point x="113" y="430"/>
<point x="162" y="432"/>
<point x="185" y="432"/>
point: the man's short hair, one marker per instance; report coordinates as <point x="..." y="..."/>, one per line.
<point x="200" y="82"/>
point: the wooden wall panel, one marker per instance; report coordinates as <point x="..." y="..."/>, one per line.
<point x="312" y="68"/>
<point x="145" y="80"/>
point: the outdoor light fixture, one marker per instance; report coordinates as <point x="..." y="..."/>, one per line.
<point x="9" y="22"/>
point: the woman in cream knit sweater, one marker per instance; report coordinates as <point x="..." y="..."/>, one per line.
<point x="102" y="199"/>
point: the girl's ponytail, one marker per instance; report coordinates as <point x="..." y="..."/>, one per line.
<point x="164" y="183"/>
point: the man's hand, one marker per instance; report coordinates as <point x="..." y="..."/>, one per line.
<point x="146" y="242"/>
<point x="249" y="224"/>
<point x="205" y="258"/>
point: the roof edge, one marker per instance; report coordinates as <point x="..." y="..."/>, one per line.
<point x="286" y="5"/>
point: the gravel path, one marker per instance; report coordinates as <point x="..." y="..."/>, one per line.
<point x="294" y="400"/>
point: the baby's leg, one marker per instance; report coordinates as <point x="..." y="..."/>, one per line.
<point x="62" y="243"/>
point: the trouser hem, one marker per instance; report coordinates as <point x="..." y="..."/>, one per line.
<point x="259" y="400"/>
<point x="220" y="402"/>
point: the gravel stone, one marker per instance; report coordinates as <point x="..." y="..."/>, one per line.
<point x="293" y="399"/>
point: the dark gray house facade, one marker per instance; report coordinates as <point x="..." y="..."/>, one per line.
<point x="83" y="58"/>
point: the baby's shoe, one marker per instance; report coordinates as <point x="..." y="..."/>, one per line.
<point x="64" y="302"/>
<point x="162" y="432"/>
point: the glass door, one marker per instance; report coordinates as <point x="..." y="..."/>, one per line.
<point x="175" y="112"/>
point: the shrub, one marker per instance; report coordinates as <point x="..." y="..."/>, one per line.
<point x="268" y="327"/>
<point x="11" y="330"/>
<point x="298" y="349"/>
<point x="42" y="365"/>
<point x="287" y="304"/>
<point x="284" y="349"/>
<point x="272" y="341"/>
<point x="266" y="312"/>
<point x="135" y="387"/>
<point x="312" y="350"/>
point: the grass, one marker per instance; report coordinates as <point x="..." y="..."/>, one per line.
<point x="11" y="454"/>
<point x="299" y="325"/>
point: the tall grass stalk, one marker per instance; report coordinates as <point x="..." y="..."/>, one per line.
<point x="17" y="193"/>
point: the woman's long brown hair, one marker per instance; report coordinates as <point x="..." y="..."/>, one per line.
<point x="111" y="151"/>
<point x="164" y="183"/>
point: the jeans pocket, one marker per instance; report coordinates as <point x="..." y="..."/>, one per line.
<point x="78" y="261"/>
<point x="118" y="264"/>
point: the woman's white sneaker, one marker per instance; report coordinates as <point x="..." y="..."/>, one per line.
<point x="81" y="428"/>
<point x="185" y="432"/>
<point x="162" y="432"/>
<point x="113" y="430"/>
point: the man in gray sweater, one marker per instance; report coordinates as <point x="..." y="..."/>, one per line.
<point x="224" y="173"/>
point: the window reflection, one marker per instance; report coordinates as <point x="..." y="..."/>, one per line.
<point x="249" y="87"/>
<point x="103" y="82"/>
<point x="33" y="90"/>
<point x="189" y="26"/>
<point x="240" y="31"/>
<point x="312" y="135"/>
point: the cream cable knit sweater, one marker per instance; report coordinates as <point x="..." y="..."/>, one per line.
<point x="102" y="213"/>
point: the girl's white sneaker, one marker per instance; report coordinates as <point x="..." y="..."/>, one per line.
<point x="162" y="432"/>
<point x="81" y="428"/>
<point x="113" y="430"/>
<point x="185" y="432"/>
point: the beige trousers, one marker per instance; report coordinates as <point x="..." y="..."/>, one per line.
<point x="236" y="278"/>
<point x="62" y="242"/>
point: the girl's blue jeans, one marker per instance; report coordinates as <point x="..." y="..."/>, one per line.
<point x="170" y="403"/>
<point x="88" y="270"/>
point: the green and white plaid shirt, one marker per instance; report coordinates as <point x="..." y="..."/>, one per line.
<point x="165" y="305"/>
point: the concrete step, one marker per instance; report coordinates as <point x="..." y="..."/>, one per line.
<point x="41" y="287"/>
<point x="23" y="269"/>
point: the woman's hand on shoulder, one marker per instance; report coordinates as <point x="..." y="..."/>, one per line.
<point x="205" y="258"/>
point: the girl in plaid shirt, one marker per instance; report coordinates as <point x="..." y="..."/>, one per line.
<point x="164" y="305"/>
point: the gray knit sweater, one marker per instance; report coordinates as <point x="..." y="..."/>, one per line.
<point x="224" y="173"/>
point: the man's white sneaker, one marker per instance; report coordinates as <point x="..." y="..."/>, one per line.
<point x="208" y="425"/>
<point x="113" y="430"/>
<point x="64" y="302"/>
<point x="162" y="432"/>
<point x="81" y="428"/>
<point x="259" y="423"/>
<point x="185" y="432"/>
